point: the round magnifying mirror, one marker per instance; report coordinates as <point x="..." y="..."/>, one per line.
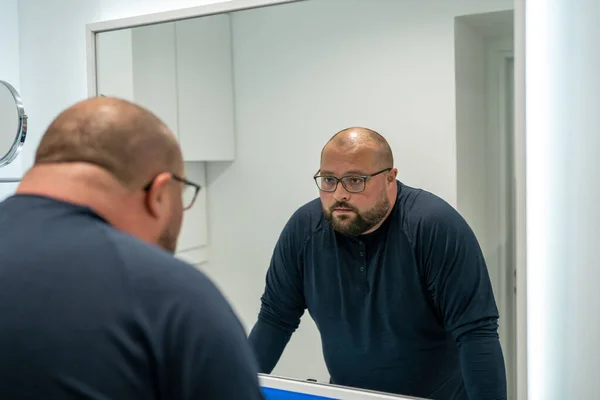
<point x="13" y="123"/>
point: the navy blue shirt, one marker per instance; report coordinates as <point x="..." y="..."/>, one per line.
<point x="407" y="309"/>
<point x="89" y="312"/>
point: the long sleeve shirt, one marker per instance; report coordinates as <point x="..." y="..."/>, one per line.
<point x="406" y="309"/>
<point x="89" y="312"/>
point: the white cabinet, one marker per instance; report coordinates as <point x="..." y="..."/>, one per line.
<point x="194" y="230"/>
<point x="114" y="64"/>
<point x="205" y="88"/>
<point x="139" y="65"/>
<point x="181" y="71"/>
<point x="155" y="72"/>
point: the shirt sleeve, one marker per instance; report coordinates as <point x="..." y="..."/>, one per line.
<point x="282" y="303"/>
<point x="459" y="286"/>
<point x="206" y="348"/>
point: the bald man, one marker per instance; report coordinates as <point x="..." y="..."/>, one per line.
<point x="94" y="305"/>
<point x="392" y="276"/>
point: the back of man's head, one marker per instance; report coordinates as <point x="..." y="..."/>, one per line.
<point x="118" y="159"/>
<point x="128" y="141"/>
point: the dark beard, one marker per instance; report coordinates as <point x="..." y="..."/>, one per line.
<point x="358" y="223"/>
<point x="168" y="242"/>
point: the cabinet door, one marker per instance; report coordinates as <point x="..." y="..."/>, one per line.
<point x="154" y="71"/>
<point x="205" y="88"/>
<point x="194" y="232"/>
<point x="115" y="64"/>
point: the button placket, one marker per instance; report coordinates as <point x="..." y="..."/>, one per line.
<point x="361" y="273"/>
<point x="363" y="259"/>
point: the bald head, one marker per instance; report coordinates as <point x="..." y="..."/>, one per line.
<point x="117" y="159"/>
<point x="357" y="181"/>
<point x="357" y="139"/>
<point x="126" y="140"/>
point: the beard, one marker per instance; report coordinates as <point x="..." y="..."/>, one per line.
<point x="168" y="240"/>
<point x="357" y="223"/>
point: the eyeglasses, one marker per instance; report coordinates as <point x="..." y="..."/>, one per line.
<point x="352" y="183"/>
<point x="189" y="191"/>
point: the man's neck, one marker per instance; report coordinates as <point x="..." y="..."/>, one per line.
<point x="77" y="183"/>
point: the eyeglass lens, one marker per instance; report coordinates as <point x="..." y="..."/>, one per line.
<point x="351" y="183"/>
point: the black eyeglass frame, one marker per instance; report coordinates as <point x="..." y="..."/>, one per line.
<point x="338" y="180"/>
<point x="185" y="182"/>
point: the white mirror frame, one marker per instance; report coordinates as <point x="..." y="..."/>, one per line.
<point x="519" y="132"/>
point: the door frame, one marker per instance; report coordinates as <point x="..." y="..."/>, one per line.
<point x="520" y="197"/>
<point x="511" y="203"/>
<point x="501" y="200"/>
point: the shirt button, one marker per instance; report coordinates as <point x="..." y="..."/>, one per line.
<point x="361" y="253"/>
<point x="362" y="269"/>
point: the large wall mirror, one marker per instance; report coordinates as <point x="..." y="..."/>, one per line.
<point x="253" y="94"/>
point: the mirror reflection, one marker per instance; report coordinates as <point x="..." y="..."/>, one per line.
<point x="357" y="160"/>
<point x="13" y="123"/>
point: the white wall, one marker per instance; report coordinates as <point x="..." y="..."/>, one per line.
<point x="471" y="143"/>
<point x="9" y="45"/>
<point x="9" y="72"/>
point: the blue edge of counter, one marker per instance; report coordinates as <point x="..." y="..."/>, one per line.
<point x="278" y="394"/>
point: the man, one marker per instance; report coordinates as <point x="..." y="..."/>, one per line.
<point x="392" y="276"/>
<point x="91" y="306"/>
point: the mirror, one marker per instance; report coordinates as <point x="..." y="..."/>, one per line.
<point x="253" y="96"/>
<point x="13" y="123"/>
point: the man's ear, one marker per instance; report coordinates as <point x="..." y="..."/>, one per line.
<point x="394" y="175"/>
<point x="157" y="196"/>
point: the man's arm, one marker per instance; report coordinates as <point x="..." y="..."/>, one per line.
<point x="282" y="303"/>
<point x="459" y="284"/>
<point x="207" y="352"/>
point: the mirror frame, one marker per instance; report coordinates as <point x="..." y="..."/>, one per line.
<point x="519" y="133"/>
<point x="21" y="134"/>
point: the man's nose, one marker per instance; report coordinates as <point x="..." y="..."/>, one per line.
<point x="341" y="194"/>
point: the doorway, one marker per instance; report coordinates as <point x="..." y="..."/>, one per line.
<point x="486" y="181"/>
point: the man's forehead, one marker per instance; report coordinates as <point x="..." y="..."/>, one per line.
<point x="339" y="167"/>
<point x="345" y="164"/>
<point x="355" y="172"/>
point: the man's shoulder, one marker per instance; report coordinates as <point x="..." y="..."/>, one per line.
<point x="191" y="318"/>
<point x="310" y="212"/>
<point x="306" y="220"/>
<point x="425" y="211"/>
<point x="156" y="272"/>
<point x="134" y="251"/>
<point x="421" y="205"/>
